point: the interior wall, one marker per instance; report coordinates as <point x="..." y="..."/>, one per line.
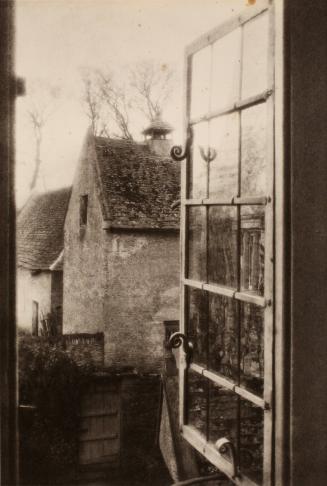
<point x="306" y="65"/>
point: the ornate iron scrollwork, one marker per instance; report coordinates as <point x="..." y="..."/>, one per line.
<point x="226" y="447"/>
<point x="178" y="339"/>
<point x="209" y="155"/>
<point x="176" y="152"/>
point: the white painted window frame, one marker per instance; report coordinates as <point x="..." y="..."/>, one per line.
<point x="267" y="302"/>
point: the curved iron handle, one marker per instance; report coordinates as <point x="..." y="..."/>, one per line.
<point x="176" y="151"/>
<point x="178" y="339"/>
<point x="224" y="446"/>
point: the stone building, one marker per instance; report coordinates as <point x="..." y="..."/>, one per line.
<point x="40" y="243"/>
<point x="122" y="246"/>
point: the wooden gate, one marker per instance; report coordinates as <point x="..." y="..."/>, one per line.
<point x="99" y="437"/>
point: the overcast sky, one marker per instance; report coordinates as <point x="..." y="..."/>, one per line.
<point x="55" y="38"/>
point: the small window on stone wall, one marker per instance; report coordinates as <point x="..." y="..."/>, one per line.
<point x="83" y="210"/>
<point x="35" y="318"/>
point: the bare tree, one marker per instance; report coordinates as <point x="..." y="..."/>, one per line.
<point x="93" y="103"/>
<point x="153" y="85"/>
<point x="43" y="99"/>
<point x="106" y="103"/>
<point x="110" y="101"/>
<point x="38" y="121"/>
<point x="118" y="103"/>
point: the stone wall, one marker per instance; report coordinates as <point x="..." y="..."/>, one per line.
<point x="84" y="264"/>
<point x="142" y="273"/>
<point x="116" y="282"/>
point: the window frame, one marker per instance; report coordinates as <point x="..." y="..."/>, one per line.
<point x="267" y="201"/>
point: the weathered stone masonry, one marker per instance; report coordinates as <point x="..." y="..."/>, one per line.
<point x="119" y="267"/>
<point x="84" y="267"/>
<point x="140" y="266"/>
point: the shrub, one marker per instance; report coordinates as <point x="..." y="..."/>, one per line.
<point x="51" y="381"/>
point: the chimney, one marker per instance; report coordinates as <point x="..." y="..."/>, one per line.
<point x="156" y="136"/>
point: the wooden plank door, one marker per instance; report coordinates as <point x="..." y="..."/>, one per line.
<point x="99" y="437"/>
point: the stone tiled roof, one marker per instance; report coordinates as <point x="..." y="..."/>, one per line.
<point x="40" y="229"/>
<point x="137" y="188"/>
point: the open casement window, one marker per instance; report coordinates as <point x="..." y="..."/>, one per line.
<point x="226" y="406"/>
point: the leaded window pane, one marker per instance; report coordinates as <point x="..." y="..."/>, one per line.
<point x="223" y="169"/>
<point x="225" y="244"/>
<point x="198" y="169"/>
<point x="197" y="324"/>
<point x="223" y="336"/>
<point x="251" y="440"/>
<point x="223" y="405"/>
<point x="255" y="56"/>
<point x="226" y="70"/>
<point x="252" y="248"/>
<point x="196" y="401"/>
<point x="200" y="83"/>
<point x="222" y="264"/>
<point x="252" y="347"/>
<point x="254" y="148"/>
<point x="196" y="217"/>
